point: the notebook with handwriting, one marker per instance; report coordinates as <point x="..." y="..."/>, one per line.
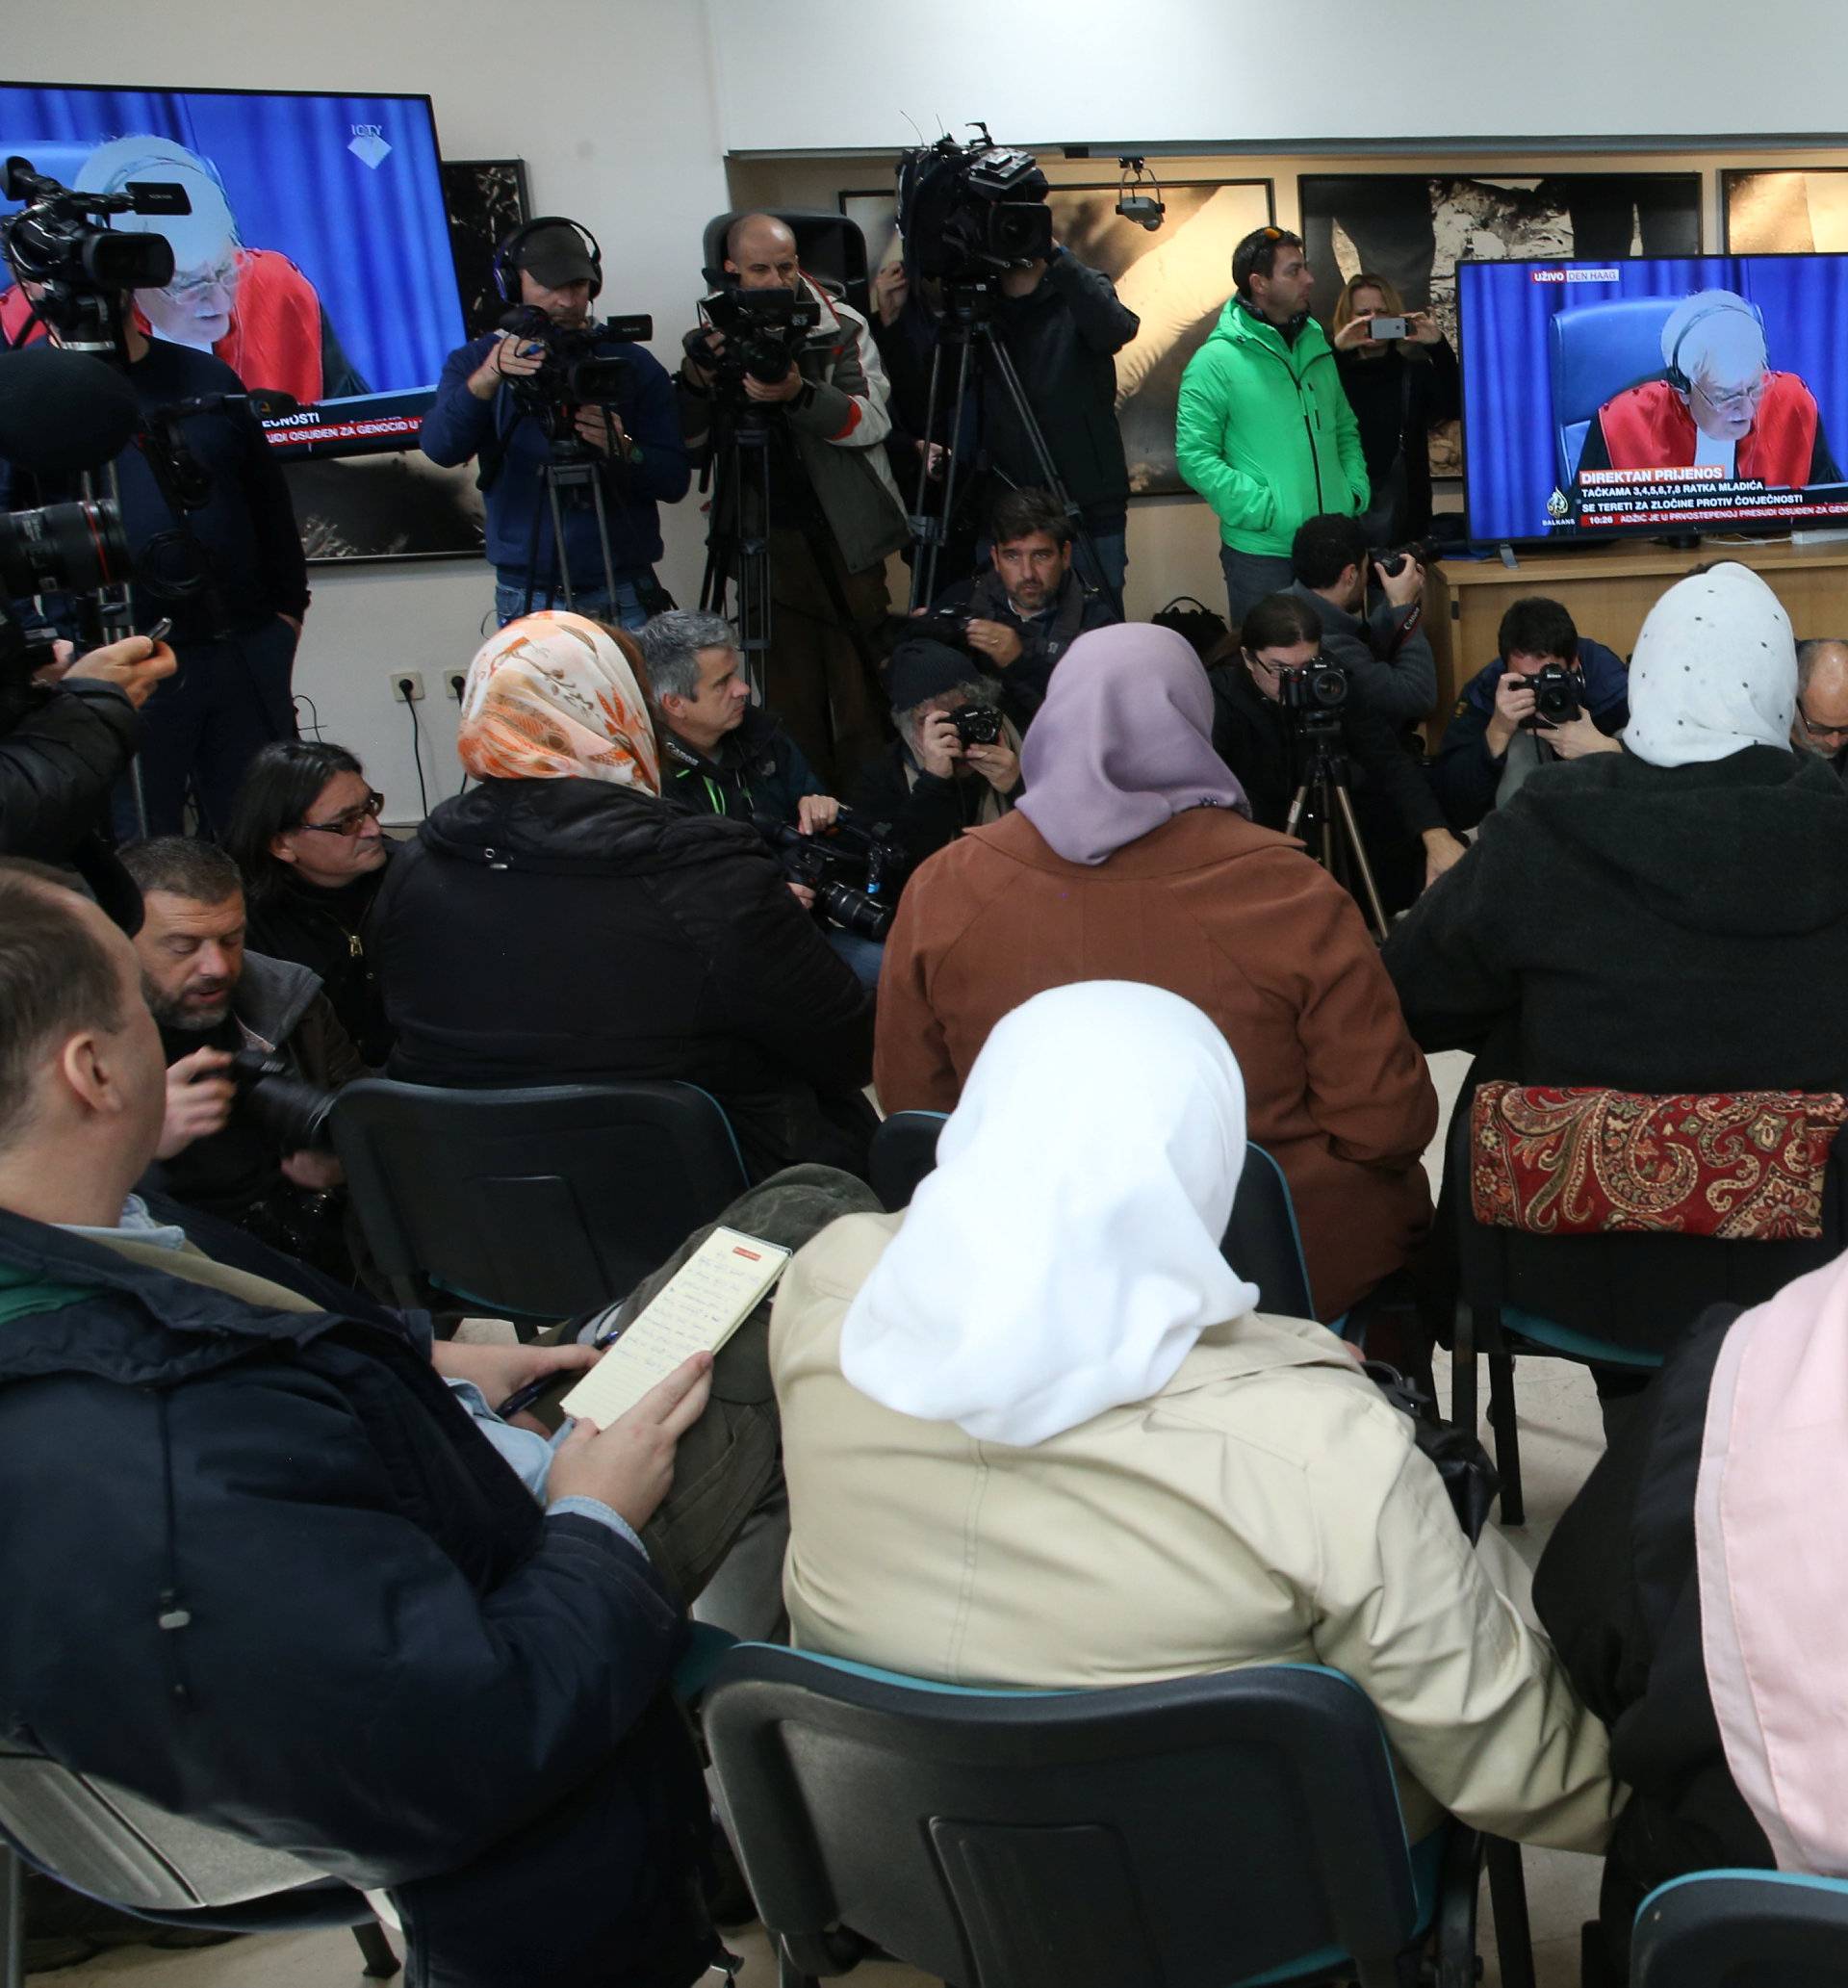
<point x="696" y="1311"/>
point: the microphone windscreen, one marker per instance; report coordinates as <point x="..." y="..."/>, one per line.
<point x="61" y="411"/>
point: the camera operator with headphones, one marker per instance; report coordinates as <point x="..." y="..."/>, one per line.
<point x="831" y="404"/>
<point x="554" y="266"/>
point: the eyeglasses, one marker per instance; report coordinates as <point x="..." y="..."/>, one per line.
<point x="1739" y="401"/>
<point x="349" y="821"/>
<point x="1812" y="730"/>
<point x="219" y="277"/>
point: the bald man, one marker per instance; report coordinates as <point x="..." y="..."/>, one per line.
<point x="827" y="416"/>
<point x="1821" y="724"/>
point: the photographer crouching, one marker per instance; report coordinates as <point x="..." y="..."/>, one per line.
<point x="1279" y="699"/>
<point x="254" y="1055"/>
<point x="554" y="392"/>
<point x="722" y="754"/>
<point x="799" y="388"/>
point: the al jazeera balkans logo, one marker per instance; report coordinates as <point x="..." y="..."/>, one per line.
<point x="1557" y="506"/>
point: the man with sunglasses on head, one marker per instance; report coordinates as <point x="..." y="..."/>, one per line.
<point x="1821" y="724"/>
<point x="223" y="1150"/>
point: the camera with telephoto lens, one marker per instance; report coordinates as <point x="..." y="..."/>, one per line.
<point x="1556" y="697"/>
<point x="293" y="1112"/>
<point x="977" y="724"/>
<point x="826" y="862"/>
<point x="966" y="210"/>
<point x="58" y="548"/>
<point x="82" y="269"/>
<point x="1314" y="694"/>
<point x="573" y="372"/>
<point x="763" y="331"/>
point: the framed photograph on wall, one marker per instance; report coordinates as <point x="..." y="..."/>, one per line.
<point x="1784" y="213"/>
<point x="1411" y="227"/>
<point x="487" y="199"/>
<point x="1176" y="280"/>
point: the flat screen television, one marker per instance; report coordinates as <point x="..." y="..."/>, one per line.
<point x="1663" y="394"/>
<point x="316" y="259"/>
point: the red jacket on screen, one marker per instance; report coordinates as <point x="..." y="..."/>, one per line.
<point x="274" y="339"/>
<point x="1649" y="427"/>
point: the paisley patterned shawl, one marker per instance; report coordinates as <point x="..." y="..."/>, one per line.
<point x="556" y="696"/>
<point x="1737" y="1166"/>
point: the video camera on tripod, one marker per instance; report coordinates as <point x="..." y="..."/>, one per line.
<point x="762" y="331"/>
<point x="967" y="211"/>
<point x="826" y="862"/>
<point x="574" y="372"/>
<point x="55" y="241"/>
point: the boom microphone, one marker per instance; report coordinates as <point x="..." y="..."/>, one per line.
<point x="61" y="411"/>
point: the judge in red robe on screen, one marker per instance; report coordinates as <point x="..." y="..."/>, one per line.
<point x="1716" y="402"/>
<point x="251" y="307"/>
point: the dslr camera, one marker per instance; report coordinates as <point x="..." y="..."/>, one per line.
<point x="763" y="331"/>
<point x="293" y="1112"/>
<point x="967" y="211"/>
<point x="1556" y="695"/>
<point x="847" y="867"/>
<point x="1391" y="559"/>
<point x="977" y="724"/>
<point x="55" y="240"/>
<point x="76" y="548"/>
<point x="573" y="373"/>
<point x="1313" y="695"/>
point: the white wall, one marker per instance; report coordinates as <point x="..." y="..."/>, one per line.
<point x="610" y="104"/>
<point x="1111" y="72"/>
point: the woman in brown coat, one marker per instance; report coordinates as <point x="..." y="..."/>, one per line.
<point x="1131" y="858"/>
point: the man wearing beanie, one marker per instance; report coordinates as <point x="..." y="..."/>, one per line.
<point x="928" y="783"/>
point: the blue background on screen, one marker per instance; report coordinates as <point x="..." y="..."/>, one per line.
<point x="1507" y="389"/>
<point x="374" y="242"/>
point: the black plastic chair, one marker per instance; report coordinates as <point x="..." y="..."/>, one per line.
<point x="1571" y="1297"/>
<point x="1204" y="1833"/>
<point x="541" y="1203"/>
<point x="1262" y="1241"/>
<point x="103" y="1841"/>
<point x="1742" y="1929"/>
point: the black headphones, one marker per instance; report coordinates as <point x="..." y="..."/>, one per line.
<point x="507" y="272"/>
<point x="1673" y="372"/>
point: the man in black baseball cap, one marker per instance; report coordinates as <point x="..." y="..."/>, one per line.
<point x="477" y="411"/>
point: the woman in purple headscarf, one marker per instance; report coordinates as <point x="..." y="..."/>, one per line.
<point x="1132" y="857"/>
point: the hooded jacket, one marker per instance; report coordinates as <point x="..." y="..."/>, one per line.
<point x="1263" y="431"/>
<point x="1651" y="928"/>
<point x="562" y="931"/>
<point x="301" y="1597"/>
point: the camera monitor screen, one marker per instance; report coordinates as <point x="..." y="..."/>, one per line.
<point x="315" y="261"/>
<point x="1661" y="395"/>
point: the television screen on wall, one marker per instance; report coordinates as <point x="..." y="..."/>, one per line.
<point x="1664" y="394"/>
<point x="315" y="257"/>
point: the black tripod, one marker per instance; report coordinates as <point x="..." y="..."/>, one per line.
<point x="967" y="323"/>
<point x="571" y="476"/>
<point x="1323" y="791"/>
<point x="751" y="448"/>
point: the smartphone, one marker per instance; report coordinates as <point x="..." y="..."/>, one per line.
<point x="1386" y="327"/>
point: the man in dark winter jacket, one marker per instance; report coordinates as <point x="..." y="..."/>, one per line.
<point x="315" y="1600"/>
<point x="1024" y="614"/>
<point x="222" y="1150"/>
<point x="928" y="786"/>
<point x="1493" y="740"/>
<point x="1386" y="652"/>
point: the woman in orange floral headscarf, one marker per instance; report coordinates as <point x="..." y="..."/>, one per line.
<point x="561" y="921"/>
<point x="556" y="696"/>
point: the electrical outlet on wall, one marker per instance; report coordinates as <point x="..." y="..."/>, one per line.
<point x="454" y="680"/>
<point x="407" y="685"/>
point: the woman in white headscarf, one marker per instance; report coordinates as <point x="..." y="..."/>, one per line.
<point x="1035" y="1433"/>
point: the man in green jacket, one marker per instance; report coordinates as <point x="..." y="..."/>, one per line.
<point x="1263" y="431"/>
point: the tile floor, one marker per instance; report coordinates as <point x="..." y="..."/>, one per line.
<point x="1560" y="1438"/>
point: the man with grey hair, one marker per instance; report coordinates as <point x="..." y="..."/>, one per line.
<point x="721" y="753"/>
<point x="932" y="784"/>
<point x="1821" y="724"/>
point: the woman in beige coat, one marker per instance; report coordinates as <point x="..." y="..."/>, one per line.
<point x="1131" y="858"/>
<point x="1035" y="1433"/>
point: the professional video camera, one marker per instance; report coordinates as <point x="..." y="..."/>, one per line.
<point x="968" y="210"/>
<point x="573" y="373"/>
<point x="763" y="331"/>
<point x="54" y="240"/>
<point x="1557" y="697"/>
<point x="824" y="863"/>
<point x="1312" y="694"/>
<point x="295" y="1113"/>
